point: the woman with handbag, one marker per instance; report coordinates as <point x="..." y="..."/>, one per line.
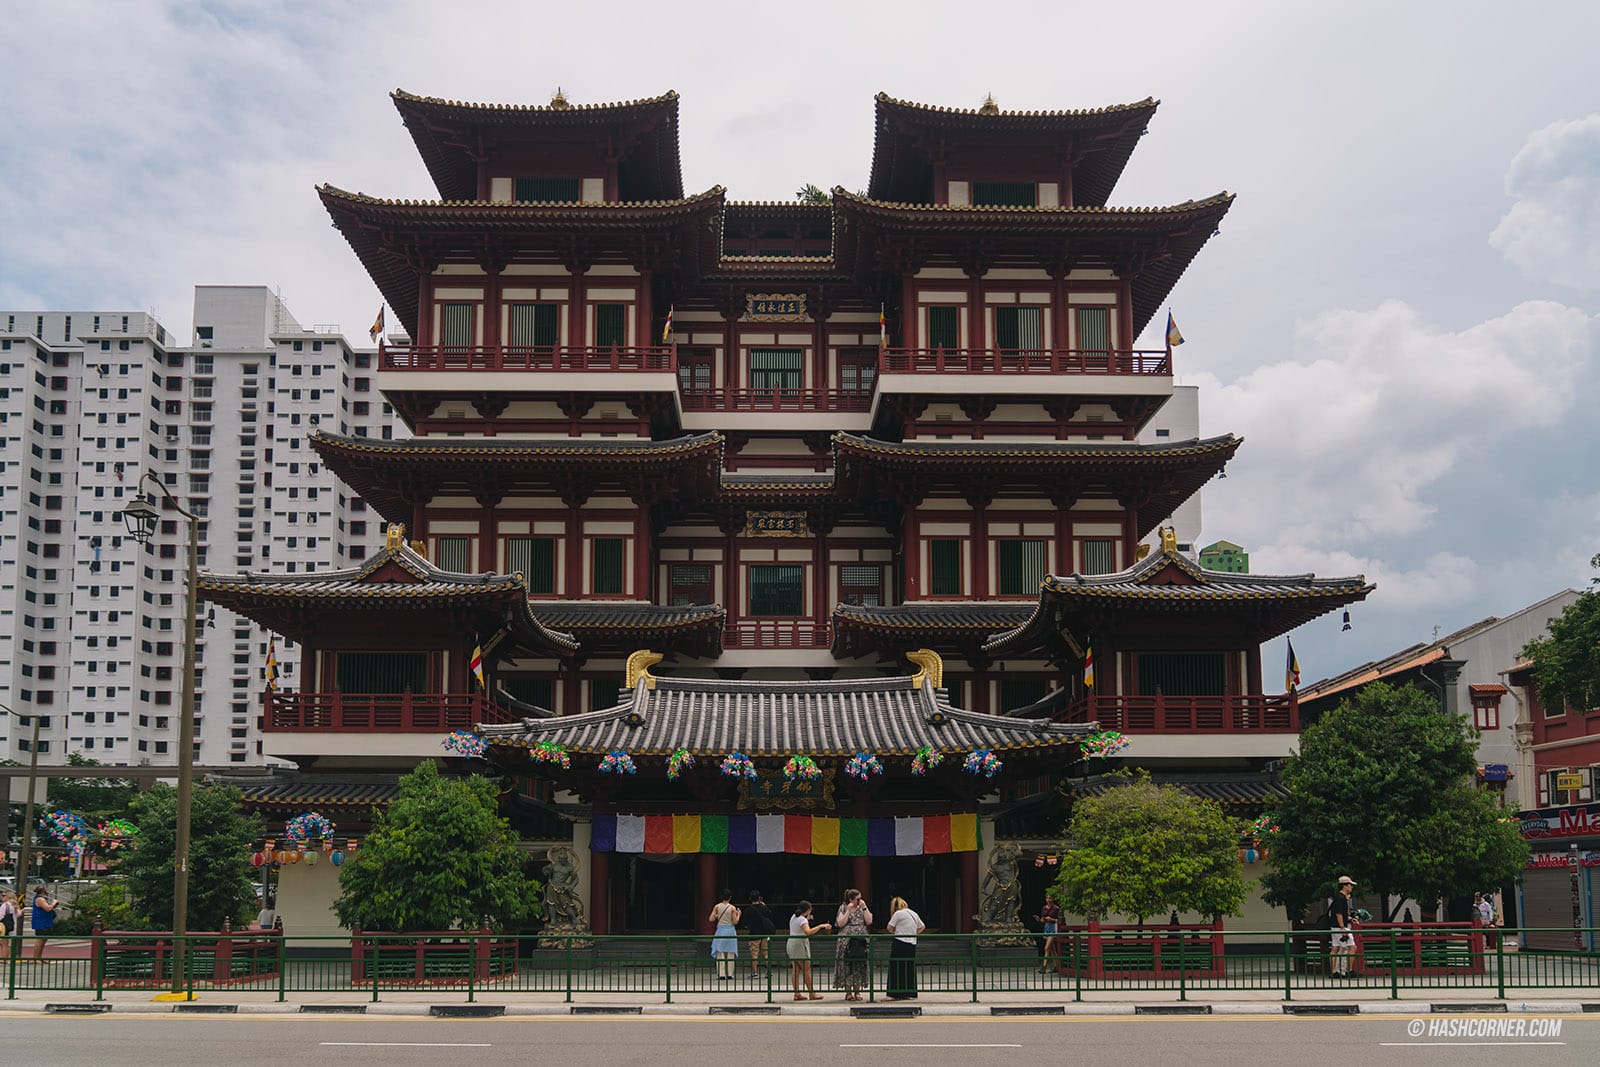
<point x="854" y="925"/>
<point x="725" y="942"/>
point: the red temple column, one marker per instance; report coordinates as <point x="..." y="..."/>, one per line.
<point x="641" y="552"/>
<point x="861" y="878"/>
<point x="646" y="313"/>
<point x="980" y="551"/>
<point x="1253" y="682"/>
<point x="969" y="891"/>
<point x="821" y="609"/>
<point x="705" y="885"/>
<point x="909" y="549"/>
<point x="424" y="308"/>
<point x="574" y="552"/>
<point x="493" y="283"/>
<point x="600" y="892"/>
<point x="308" y="668"/>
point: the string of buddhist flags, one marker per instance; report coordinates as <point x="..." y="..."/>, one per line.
<point x="806" y="835"/>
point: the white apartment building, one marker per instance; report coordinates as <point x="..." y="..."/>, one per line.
<point x="91" y="624"/>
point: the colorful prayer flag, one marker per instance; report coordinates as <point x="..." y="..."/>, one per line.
<point x="271" y="670"/>
<point x="1088" y="668"/>
<point x="476" y="663"/>
<point x="815" y="835"/>
<point x="1291" y="670"/>
<point x="377" y="325"/>
<point x="883" y="328"/>
<point x="666" y="329"/>
<point x="1174" y="338"/>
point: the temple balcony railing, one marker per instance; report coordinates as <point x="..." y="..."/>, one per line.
<point x="380" y="712"/>
<point x="1128" y="362"/>
<point x="799" y="401"/>
<point x="1234" y="713"/>
<point x="648" y="359"/>
<point x="776" y="633"/>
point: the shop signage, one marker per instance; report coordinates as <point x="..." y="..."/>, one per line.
<point x="1562" y="860"/>
<point x="1496" y="772"/>
<point x="776" y="524"/>
<point x="1569" y="780"/>
<point x="775" y="307"/>
<point x="1577" y="820"/>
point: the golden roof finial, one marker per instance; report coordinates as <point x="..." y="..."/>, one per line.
<point x="1169" y="540"/>
<point x="989" y="106"/>
<point x="638" y="666"/>
<point x="932" y="667"/>
<point x="395" y="536"/>
<point x="560" y="101"/>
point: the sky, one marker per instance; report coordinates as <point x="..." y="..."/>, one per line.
<point x="1398" y="315"/>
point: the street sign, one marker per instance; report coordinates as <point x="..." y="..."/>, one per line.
<point x="1569" y="780"/>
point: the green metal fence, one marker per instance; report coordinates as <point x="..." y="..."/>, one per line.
<point x="1074" y="964"/>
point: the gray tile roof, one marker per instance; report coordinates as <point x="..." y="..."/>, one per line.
<point x="1248" y="787"/>
<point x="311" y="791"/>
<point x="922" y="616"/>
<point x="834" y="718"/>
<point x="581" y="615"/>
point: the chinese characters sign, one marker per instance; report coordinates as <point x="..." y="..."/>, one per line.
<point x="775" y="307"/>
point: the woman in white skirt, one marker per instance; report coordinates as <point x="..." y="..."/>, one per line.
<point x="799" y="948"/>
<point x="725" y="942"/>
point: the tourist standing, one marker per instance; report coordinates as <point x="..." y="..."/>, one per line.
<point x="10" y="914"/>
<point x="854" y="926"/>
<point x="1049" y="918"/>
<point x="725" y="943"/>
<point x="799" y="948"/>
<point x="44" y="919"/>
<point x="905" y="925"/>
<point x="1344" y="929"/>
<point x="758" y="920"/>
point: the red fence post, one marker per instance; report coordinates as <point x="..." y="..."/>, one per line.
<point x="1096" y="950"/>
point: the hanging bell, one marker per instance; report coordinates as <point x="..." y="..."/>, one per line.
<point x="1346" y="625"/>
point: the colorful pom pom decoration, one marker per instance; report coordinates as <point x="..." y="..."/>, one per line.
<point x="116" y="833"/>
<point x="800" y="769"/>
<point x="1103" y="743"/>
<point x="680" y="761"/>
<point x="617" y="762"/>
<point x="69" y="828"/>
<point x="1264" y="826"/>
<point x="738" y="765"/>
<point x="552" y="753"/>
<point x="308" y="827"/>
<point x="863" y="765"/>
<point x="982" y="761"/>
<point x="925" y="760"/>
<point x="465" y="743"/>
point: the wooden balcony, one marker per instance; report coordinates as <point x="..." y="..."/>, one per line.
<point x="1237" y="713"/>
<point x="776" y="400"/>
<point x="458" y="358"/>
<point x="776" y="633"/>
<point x="1136" y="362"/>
<point x="380" y="712"/>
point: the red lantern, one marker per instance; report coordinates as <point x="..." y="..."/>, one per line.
<point x="255" y="859"/>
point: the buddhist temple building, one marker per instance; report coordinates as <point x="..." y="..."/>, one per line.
<point x="785" y="532"/>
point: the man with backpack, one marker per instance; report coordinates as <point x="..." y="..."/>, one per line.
<point x="1342" y="917"/>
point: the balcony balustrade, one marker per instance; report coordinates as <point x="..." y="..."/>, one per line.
<point x="647" y="358"/>
<point x="1152" y="362"/>
<point x="759" y="400"/>
<point x="381" y="712"/>
<point x="776" y="633"/>
<point x="1252" y="713"/>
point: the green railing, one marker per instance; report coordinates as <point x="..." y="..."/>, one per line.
<point x="1187" y="961"/>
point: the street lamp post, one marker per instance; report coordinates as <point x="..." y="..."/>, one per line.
<point x="141" y="517"/>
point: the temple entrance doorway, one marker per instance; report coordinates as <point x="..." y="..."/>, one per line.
<point x="659" y="896"/>
<point x="785" y="879"/>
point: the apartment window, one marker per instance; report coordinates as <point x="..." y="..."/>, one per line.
<point x="944" y="327"/>
<point x="548" y="190"/>
<point x="535" y="326"/>
<point x="534" y="557"/>
<point x="861" y="583"/>
<point x="777" y="590"/>
<point x="607" y="571"/>
<point x="1005" y="194"/>
<point x="1094" y="329"/>
<point x="944" y="567"/>
<point x="457" y="327"/>
<point x="1021" y="566"/>
<point x="610" y="325"/>
<point x="455" y="553"/>
<point x="1485" y="709"/>
<point x="1019" y="329"/>
<point x="776" y="368"/>
<point x="690" y="583"/>
<point x="1099" y="555"/>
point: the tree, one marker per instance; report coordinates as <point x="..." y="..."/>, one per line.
<point x="1141" y="849"/>
<point x="441" y="856"/>
<point x="96" y="799"/>
<point x="1383" y="791"/>
<point x="220" y="836"/>
<point x="811" y="194"/>
<point x="1566" y="663"/>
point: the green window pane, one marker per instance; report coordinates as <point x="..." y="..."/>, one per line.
<point x="535" y="559"/>
<point x="1094" y="328"/>
<point x="944" y="327"/>
<point x="382" y="672"/>
<point x="608" y="571"/>
<point x="534" y="325"/>
<point x="777" y="590"/>
<point x="603" y="693"/>
<point x="548" y="190"/>
<point x="540" y="692"/>
<point x="776" y="368"/>
<point x="456" y="325"/>
<point x="1020" y="692"/>
<point x="1019" y="329"/>
<point x="1021" y="567"/>
<point x="944" y="567"/>
<point x="1005" y="194"/>
<point x="1182" y="674"/>
<point x="1099" y="556"/>
<point x="611" y="325"/>
<point x="455" y="554"/>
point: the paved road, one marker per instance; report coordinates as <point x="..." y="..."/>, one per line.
<point x="1215" y="1041"/>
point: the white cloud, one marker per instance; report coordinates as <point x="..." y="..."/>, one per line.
<point x="1552" y="232"/>
<point x="1343" y="443"/>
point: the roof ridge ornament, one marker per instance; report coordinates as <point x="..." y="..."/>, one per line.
<point x="559" y="101"/>
<point x="395" y="537"/>
<point x="638" y="667"/>
<point x="1169" y="540"/>
<point x="932" y="668"/>
<point x="989" y="106"/>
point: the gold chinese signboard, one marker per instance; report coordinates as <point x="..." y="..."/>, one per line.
<point x="776" y="524"/>
<point x="775" y="307"/>
<point x="771" y="790"/>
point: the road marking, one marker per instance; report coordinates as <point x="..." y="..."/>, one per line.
<point x="405" y="1044"/>
<point x="1463" y="1044"/>
<point x="919" y="1045"/>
